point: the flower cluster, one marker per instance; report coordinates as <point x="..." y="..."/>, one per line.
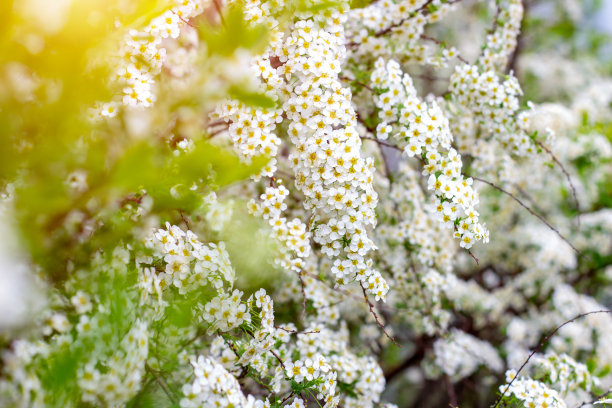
<point x="187" y="262"/>
<point x="292" y="234"/>
<point x="346" y="367"/>
<point x="500" y="44"/>
<point x="531" y="392"/>
<point x="226" y="311"/>
<point x="123" y="371"/>
<point x="493" y="104"/>
<point x="461" y="354"/>
<point x="387" y="28"/>
<point x="374" y="134"/>
<point x="424" y="132"/>
<point x="213" y="386"/>
<point x="335" y="180"/>
<point x="143" y="54"/>
<point x="314" y="368"/>
<point x="417" y="222"/>
<point x="563" y="371"/>
<point x="252" y="131"/>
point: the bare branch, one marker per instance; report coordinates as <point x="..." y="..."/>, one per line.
<point x="303" y="294"/>
<point x="378" y="322"/>
<point x="438" y="42"/>
<point x="161" y="383"/>
<point x="531" y="212"/>
<point x="382" y="142"/>
<point x="539" y="347"/>
<point x="567" y="176"/>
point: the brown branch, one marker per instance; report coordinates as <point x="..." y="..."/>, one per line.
<point x="230" y="343"/>
<point x="297" y="331"/>
<point x="345" y="78"/>
<point x="452" y="395"/>
<point x="373" y="312"/>
<point x="184" y="219"/>
<point x="218" y="8"/>
<point x="182" y="19"/>
<point x="132" y="198"/>
<point x="219" y="122"/>
<point x="277" y="357"/>
<point x="567" y="176"/>
<point x="428" y="77"/>
<point x="531" y="212"/>
<point x="214" y="133"/>
<point x="386" y="164"/>
<point x="539" y="347"/>
<point x="383" y="143"/>
<point x="365" y="125"/>
<point x="473" y="256"/>
<point x="270" y="351"/>
<point x="303" y="314"/>
<point x="438" y="42"/>
<point x="199" y="334"/>
<point x="380" y="144"/>
<point x="520" y="41"/>
<point x="287" y="398"/>
<point x="529" y="198"/>
<point x="422" y="10"/>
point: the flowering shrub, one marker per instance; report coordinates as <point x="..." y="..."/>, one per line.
<point x="317" y="203"/>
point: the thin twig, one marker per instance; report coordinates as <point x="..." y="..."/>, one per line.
<point x="230" y="344"/>
<point x="382" y="153"/>
<point x="286" y="398"/>
<point x="378" y="322"/>
<point x="567" y="176"/>
<point x="528" y="197"/>
<point x="438" y="42"/>
<point x="424" y="9"/>
<point x="218" y="7"/>
<point x="531" y="212"/>
<point x="382" y="142"/>
<point x="199" y="334"/>
<point x="217" y="123"/>
<point x="214" y="133"/>
<point x="473" y="256"/>
<point x="297" y="331"/>
<point x="452" y="395"/>
<point x="161" y="383"/>
<point x="540" y="347"/>
<point x="344" y="78"/>
<point x="428" y="77"/>
<point x="277" y="357"/>
<point x="271" y="351"/>
<point x="303" y="314"/>
<point x="184" y="219"/>
<point x="182" y="19"/>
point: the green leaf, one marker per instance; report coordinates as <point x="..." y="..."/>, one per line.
<point x="252" y="98"/>
<point x="234" y="33"/>
<point x="348" y="388"/>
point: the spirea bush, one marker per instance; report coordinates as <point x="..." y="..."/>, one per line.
<point x="305" y="203"/>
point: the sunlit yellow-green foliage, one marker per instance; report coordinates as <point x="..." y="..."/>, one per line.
<point x="53" y="70"/>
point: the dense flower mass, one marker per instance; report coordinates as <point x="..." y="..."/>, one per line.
<point x="304" y="203"/>
<point x="425" y="132"/>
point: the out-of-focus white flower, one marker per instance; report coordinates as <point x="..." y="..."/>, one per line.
<point x="20" y="293"/>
